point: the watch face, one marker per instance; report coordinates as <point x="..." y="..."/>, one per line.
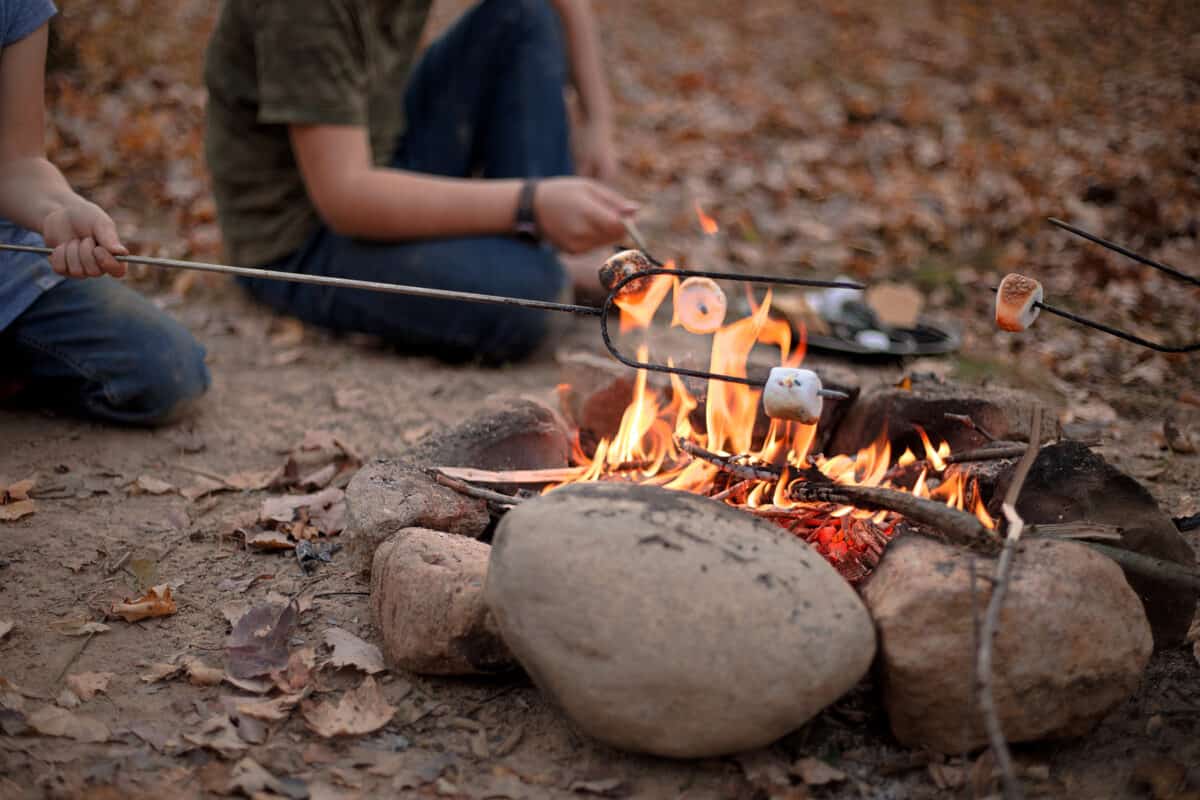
<point x="526" y="228"/>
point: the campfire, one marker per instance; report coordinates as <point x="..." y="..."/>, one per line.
<point x="723" y="446"/>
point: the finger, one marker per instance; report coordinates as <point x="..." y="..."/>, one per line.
<point x="58" y="260"/>
<point x="109" y="264"/>
<point x="74" y="266"/>
<point x="106" y="237"/>
<point x="87" y="257"/>
<point x="619" y="204"/>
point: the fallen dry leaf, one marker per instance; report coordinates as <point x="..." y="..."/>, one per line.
<point x="351" y="651"/>
<point x="67" y="699"/>
<point x="284" y="509"/>
<point x="253" y="480"/>
<point x="257" y="645"/>
<point x="11" y="512"/>
<point x="270" y="541"/>
<point x="604" y="787"/>
<point x="218" y="733"/>
<point x="248" y="777"/>
<point x="55" y="721"/>
<point x="6" y="625"/>
<point x="18" y="491"/>
<point x="156" y="602"/>
<point x="87" y="685"/>
<point x="251" y="685"/>
<point x="360" y="711"/>
<point x="161" y="671"/>
<point x="273" y="710"/>
<point x="298" y="673"/>
<point x="147" y="484"/>
<point x="203" y="487"/>
<point x="200" y="674"/>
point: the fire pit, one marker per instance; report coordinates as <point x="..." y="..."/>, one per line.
<point x="654" y="562"/>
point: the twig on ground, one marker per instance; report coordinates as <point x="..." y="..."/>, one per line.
<point x="966" y="420"/>
<point x="203" y="473"/>
<point x="473" y="491"/>
<point x="74" y="657"/>
<point x="991" y="619"/>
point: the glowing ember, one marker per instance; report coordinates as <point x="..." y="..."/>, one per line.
<point x="647" y="447"/>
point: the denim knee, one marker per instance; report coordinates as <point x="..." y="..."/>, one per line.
<point x="529" y="19"/>
<point x="174" y="377"/>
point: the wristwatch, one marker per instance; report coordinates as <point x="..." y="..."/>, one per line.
<point x="526" y="223"/>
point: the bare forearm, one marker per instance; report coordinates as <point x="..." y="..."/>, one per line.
<point x="389" y="204"/>
<point x="30" y="189"/>
<point x="583" y="49"/>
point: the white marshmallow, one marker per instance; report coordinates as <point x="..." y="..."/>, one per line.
<point x="793" y="394"/>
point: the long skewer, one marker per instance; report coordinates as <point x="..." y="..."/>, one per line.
<point x="1149" y="262"/>
<point x="473" y="297"/>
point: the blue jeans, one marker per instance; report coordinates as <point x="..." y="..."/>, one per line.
<point x="99" y="349"/>
<point x="485" y="100"/>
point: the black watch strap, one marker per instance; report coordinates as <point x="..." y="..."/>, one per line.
<point x="526" y="223"/>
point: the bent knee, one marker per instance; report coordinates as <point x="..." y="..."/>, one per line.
<point x="168" y="376"/>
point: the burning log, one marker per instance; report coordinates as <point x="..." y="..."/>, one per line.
<point x="730" y="464"/>
<point x="957" y="526"/>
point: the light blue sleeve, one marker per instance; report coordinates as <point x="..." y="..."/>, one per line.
<point x="19" y="18"/>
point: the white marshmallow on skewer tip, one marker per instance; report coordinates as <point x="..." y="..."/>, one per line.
<point x="795" y="395"/>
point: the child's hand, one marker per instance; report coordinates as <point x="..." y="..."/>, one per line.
<point x="578" y="214"/>
<point x="84" y="239"/>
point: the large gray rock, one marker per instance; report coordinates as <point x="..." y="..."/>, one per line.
<point x="1072" y="642"/>
<point x="667" y="623"/>
<point x="426" y="600"/>
<point x="506" y="433"/>
<point x="387" y="496"/>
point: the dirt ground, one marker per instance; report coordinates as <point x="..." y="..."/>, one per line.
<point x="92" y="540"/>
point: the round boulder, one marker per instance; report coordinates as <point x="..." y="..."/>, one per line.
<point x="1071" y="645"/>
<point x="667" y="623"/>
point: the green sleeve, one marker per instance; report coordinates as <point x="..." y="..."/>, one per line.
<point x="310" y="62"/>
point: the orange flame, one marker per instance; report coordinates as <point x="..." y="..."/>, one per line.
<point x="707" y="223"/>
<point x="645" y="450"/>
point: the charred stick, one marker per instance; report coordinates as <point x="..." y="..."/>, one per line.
<point x="991" y="619"/>
<point x="473" y="491"/>
<point x="987" y="453"/>
<point x="971" y="424"/>
<point x="729" y="491"/>
<point x="1139" y="564"/>
<point x="957" y="526"/>
<point x="729" y="464"/>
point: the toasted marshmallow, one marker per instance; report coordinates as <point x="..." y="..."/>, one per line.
<point x="793" y="394"/>
<point x="621" y="265"/>
<point x="700" y="305"/>
<point x="1016" y="301"/>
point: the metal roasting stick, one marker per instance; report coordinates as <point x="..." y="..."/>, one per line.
<point x="1100" y="326"/>
<point x="491" y="299"/>
<point x="1149" y="262"/>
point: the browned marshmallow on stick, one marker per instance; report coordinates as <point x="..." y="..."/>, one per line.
<point x="1016" y="302"/>
<point x="700" y="305"/>
<point x="621" y="265"/>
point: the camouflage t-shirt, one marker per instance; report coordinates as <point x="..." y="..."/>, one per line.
<point x="274" y="63"/>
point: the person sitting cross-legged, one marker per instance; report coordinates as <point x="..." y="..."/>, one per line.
<point x="332" y="153"/>
<point x="93" y="347"/>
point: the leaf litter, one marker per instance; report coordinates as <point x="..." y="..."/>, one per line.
<point x="258" y="643"/>
<point x="351" y="651"/>
<point x="359" y="711"/>
<point x="158" y="601"/>
<point x="87" y="685"/>
<point x="15" y="502"/>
